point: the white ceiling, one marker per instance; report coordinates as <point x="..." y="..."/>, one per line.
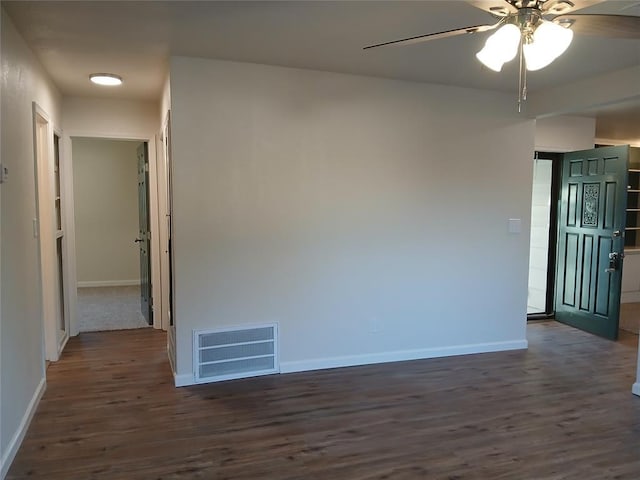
<point x="135" y="39"/>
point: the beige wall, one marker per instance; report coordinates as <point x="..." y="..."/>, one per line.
<point x="165" y="100"/>
<point x="100" y="117"/>
<point x="22" y="380"/>
<point x="105" y="183"/>
<point x="367" y="216"/>
<point x="565" y="133"/>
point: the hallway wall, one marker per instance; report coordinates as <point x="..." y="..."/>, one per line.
<point x="22" y="379"/>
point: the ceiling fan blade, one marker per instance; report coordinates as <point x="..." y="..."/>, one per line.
<point x="615" y="26"/>
<point x="502" y="8"/>
<point x="499" y="8"/>
<point x="434" y="36"/>
<point x="561" y="7"/>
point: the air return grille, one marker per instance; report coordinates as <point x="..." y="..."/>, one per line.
<point x="235" y="353"/>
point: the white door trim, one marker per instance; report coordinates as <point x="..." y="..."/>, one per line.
<point x="164" y="215"/>
<point x="45" y="230"/>
<point x="67" y="286"/>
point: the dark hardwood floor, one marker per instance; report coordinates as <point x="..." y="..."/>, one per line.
<point x="561" y="410"/>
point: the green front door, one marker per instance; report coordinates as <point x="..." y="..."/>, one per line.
<point x="144" y="235"/>
<point x="591" y="221"/>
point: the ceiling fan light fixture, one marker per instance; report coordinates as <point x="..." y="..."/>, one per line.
<point x="548" y="43"/>
<point x="106" y="79"/>
<point x="490" y="59"/>
<point x="501" y="47"/>
<point x="536" y="57"/>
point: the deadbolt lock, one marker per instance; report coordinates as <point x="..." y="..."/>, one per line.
<point x="614" y="262"/>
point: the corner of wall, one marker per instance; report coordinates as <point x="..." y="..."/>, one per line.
<point x="16" y="440"/>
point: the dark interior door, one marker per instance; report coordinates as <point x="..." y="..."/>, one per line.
<point x="144" y="235"/>
<point x="591" y="221"/>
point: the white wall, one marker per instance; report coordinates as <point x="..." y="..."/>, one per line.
<point x="631" y="269"/>
<point x="631" y="276"/>
<point x="22" y="378"/>
<point x="105" y="183"/>
<point x="165" y="100"/>
<point x="585" y="94"/>
<point x="100" y="117"/>
<point x="367" y="216"/>
<point x="564" y="133"/>
<point x="115" y="119"/>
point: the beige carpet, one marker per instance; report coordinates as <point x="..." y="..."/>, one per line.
<point x="109" y="308"/>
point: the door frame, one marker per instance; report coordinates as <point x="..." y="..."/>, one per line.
<point x="556" y="171"/>
<point x="45" y="230"/>
<point x="143" y="239"/>
<point x="156" y="275"/>
<point x="165" y="208"/>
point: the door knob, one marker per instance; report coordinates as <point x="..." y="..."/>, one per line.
<point x="614" y="262"/>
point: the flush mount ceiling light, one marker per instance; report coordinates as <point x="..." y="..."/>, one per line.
<point x="106" y="79"/>
<point x="539" y="30"/>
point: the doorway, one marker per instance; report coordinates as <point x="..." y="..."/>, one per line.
<point x="544" y="237"/>
<point x="542" y="253"/>
<point x="49" y="228"/>
<point x="107" y="221"/>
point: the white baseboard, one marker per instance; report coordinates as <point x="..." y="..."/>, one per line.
<point x="108" y="283"/>
<point x="385" y="357"/>
<point x="399" y="356"/>
<point x="636" y="388"/>
<point x="184" y="380"/>
<point x="18" y="436"/>
<point x="630" y="297"/>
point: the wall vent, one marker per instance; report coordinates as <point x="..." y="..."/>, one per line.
<point x="231" y="353"/>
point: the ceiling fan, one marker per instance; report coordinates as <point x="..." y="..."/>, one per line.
<point x="539" y="30"/>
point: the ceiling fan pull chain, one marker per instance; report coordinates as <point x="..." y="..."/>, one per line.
<point x="521" y="89"/>
<point x="524" y="84"/>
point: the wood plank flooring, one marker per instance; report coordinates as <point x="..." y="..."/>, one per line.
<point x="561" y="410"/>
